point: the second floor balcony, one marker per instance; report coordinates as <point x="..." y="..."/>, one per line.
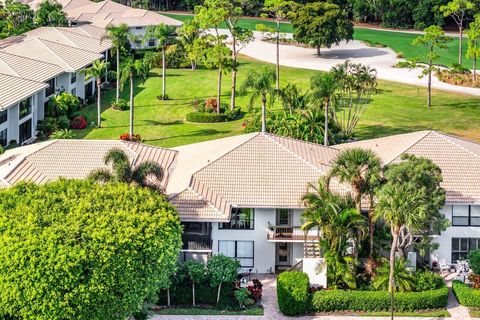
<point x="290" y="234"/>
<point x="196" y="243"/>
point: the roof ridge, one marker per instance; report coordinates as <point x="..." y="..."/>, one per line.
<point x="28" y="58"/>
<point x="427" y="132"/>
<point x="8" y="67"/>
<point x="21" y="78"/>
<point x="41" y="41"/>
<point x="202" y="198"/>
<point x="268" y="136"/>
<point x="444" y="137"/>
<point x="135" y="158"/>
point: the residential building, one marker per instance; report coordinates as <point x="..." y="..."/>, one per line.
<point x="241" y="195"/>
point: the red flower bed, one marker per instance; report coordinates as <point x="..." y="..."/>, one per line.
<point x="126" y="137"/>
<point x="256" y="289"/>
<point x="79" y="122"/>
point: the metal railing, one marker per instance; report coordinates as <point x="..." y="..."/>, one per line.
<point x="196" y="242"/>
<point x="290" y="233"/>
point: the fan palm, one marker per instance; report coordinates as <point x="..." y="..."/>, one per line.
<point x="261" y="83"/>
<point x="163" y="34"/>
<point x="361" y="168"/>
<point x="124" y="171"/>
<point x="323" y="87"/>
<point x="403" y="278"/>
<point x="118" y="35"/>
<point x="96" y="71"/>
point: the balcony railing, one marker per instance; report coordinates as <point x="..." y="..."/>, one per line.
<point x="290" y="233"/>
<point x="196" y="243"/>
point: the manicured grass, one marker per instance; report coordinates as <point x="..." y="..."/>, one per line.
<point x="429" y="314"/>
<point x="254" y="311"/>
<point x="397" y="108"/>
<point x="400" y="42"/>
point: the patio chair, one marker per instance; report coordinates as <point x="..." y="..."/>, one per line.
<point x="444" y="266"/>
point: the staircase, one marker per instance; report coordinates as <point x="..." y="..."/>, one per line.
<point x="311" y="249"/>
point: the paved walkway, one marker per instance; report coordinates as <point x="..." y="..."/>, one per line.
<point x="271" y="311"/>
<point x="382" y="59"/>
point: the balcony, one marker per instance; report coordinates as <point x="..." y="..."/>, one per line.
<point x="290" y="234"/>
<point x="198" y="243"/>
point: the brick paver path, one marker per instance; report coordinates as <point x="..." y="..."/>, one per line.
<point x="271" y="311"/>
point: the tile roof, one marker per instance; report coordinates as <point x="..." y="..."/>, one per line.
<point x="14" y="89"/>
<point x="22" y="67"/>
<point x="71" y="59"/>
<point x="193" y="207"/>
<point x="61" y="159"/>
<point x="87" y="30"/>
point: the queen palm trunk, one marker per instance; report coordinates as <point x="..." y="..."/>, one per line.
<point x="278" y="55"/>
<point x="264" y="111"/>
<point x="99" y="103"/>
<point x="131" y="106"/>
<point x="219" y="89"/>
<point x="234" y="75"/>
<point x="117" y="92"/>
<point x="325" y="138"/>
<point x="391" y="279"/>
<point x="164" y="74"/>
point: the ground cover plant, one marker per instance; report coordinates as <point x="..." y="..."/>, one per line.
<point x="162" y="123"/>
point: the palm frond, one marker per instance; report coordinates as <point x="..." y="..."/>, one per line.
<point x="144" y="170"/>
<point x="100" y="175"/>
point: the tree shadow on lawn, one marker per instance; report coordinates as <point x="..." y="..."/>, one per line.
<point x="379" y="130"/>
<point x="196" y="133"/>
<point x="352" y="53"/>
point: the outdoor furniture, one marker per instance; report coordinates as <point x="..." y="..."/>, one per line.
<point x="444" y="266"/>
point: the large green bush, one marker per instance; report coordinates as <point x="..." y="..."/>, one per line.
<point x="474" y="260"/>
<point x="292" y="293"/>
<point x="466" y="295"/>
<point x="74" y="249"/>
<point x="427" y="280"/>
<point x="338" y="300"/>
<point x="211" y="117"/>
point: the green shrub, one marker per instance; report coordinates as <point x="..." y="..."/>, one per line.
<point x="474" y="260"/>
<point x="63" y="122"/>
<point x="292" y="293"/>
<point x="120" y="105"/>
<point x="427" y="280"/>
<point x="2" y="149"/>
<point x="338" y="300"/>
<point x="62" y="134"/>
<point x="207" y="117"/>
<point x="467" y="296"/>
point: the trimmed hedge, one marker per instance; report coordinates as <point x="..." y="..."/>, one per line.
<point x="211" y="117"/>
<point x="292" y="293"/>
<point x="338" y="300"/>
<point x="466" y="295"/>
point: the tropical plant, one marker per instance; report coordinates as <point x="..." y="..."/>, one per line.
<point x="261" y="83"/>
<point x="123" y="171"/>
<point x="222" y="269"/>
<point x="119" y="36"/>
<point x="323" y="88"/>
<point x="459" y="11"/>
<point x="189" y="37"/>
<point x="62" y="104"/>
<point x="109" y="246"/>
<point x="163" y="34"/>
<point x="242" y="295"/>
<point x="292" y="99"/>
<point x="15" y="18"/>
<point x="434" y="38"/>
<point x="355" y="84"/>
<point x="340" y="268"/>
<point x="403" y="277"/>
<point x="473" y="50"/>
<point x="474" y="261"/>
<point x="279" y="10"/>
<point x="2" y="149"/>
<point x="96" y="71"/>
<point x="50" y="14"/>
<point x="320" y="24"/>
<point x="196" y="272"/>
<point x="62" y="134"/>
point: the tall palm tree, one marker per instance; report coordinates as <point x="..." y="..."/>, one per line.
<point x="118" y="35"/>
<point x="124" y="171"/>
<point x="261" y="83"/>
<point x="96" y="71"/>
<point x="361" y="168"/>
<point x="323" y="88"/>
<point x="130" y="69"/>
<point x="163" y="34"/>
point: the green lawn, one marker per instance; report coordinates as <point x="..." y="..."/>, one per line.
<point x="400" y="42"/>
<point x="397" y="108"/>
<point x="255" y="311"/>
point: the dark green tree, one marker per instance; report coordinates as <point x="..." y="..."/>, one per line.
<point x="196" y="272"/>
<point x="222" y="269"/>
<point x="75" y="249"/>
<point x="50" y="13"/>
<point x="15" y="19"/>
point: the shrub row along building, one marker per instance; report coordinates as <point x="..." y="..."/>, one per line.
<point x="46" y="61"/>
<point x="241" y="196"/>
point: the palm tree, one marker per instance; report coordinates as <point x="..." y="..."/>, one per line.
<point x="130" y="69"/>
<point x="261" y="82"/>
<point x="119" y="37"/>
<point x="361" y="168"/>
<point x="403" y="278"/>
<point x="162" y="33"/>
<point x="96" y="71"/>
<point x="124" y="171"/>
<point x="323" y="87"/>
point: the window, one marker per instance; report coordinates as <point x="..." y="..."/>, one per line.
<point x="465" y="215"/>
<point x="462" y="246"/>
<point x="25" y="131"/>
<point x="25" y="108"/>
<point x="139" y="28"/>
<point x="241" y="219"/>
<point x="74" y="91"/>
<point x="51" y="88"/>
<point x="3" y="138"/>
<point x="283" y="217"/>
<point x="3" y="116"/>
<point x="240" y="250"/>
<point x="73" y="78"/>
<point x="88" y="90"/>
<point x="151" y="43"/>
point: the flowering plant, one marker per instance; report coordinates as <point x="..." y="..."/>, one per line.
<point x="79" y="122"/>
